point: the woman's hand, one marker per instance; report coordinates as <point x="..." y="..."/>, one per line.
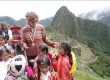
<point x="56" y="45"/>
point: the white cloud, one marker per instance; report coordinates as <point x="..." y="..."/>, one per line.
<point x="18" y="9"/>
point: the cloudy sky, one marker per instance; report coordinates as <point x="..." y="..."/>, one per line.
<point x="45" y="9"/>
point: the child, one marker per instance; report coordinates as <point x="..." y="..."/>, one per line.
<point x="17" y="40"/>
<point x="19" y="70"/>
<point x="43" y="50"/>
<point x="43" y="69"/>
<point x="6" y="44"/>
<point x="6" y="59"/>
<point x="2" y="40"/>
<point x="64" y="62"/>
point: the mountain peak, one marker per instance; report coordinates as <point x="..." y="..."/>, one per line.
<point x="63" y="9"/>
<point x="65" y="22"/>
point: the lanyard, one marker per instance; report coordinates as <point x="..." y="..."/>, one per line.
<point x="33" y="34"/>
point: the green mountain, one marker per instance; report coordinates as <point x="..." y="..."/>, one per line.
<point x="94" y="34"/>
<point x="10" y="21"/>
<point x="22" y="22"/>
<point x="46" y="22"/>
<point x="66" y="23"/>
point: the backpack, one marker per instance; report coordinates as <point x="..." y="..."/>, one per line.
<point x="74" y="65"/>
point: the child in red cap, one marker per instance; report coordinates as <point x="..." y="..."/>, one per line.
<point x="17" y="40"/>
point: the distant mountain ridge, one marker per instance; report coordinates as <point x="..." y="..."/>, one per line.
<point x="22" y="22"/>
<point x="10" y="21"/>
<point x="46" y="22"/>
<point x="98" y="15"/>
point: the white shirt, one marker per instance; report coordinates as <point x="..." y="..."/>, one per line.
<point x="45" y="76"/>
<point x="3" y="68"/>
<point x="9" y="47"/>
<point x="9" y="33"/>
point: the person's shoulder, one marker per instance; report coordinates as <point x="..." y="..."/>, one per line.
<point x="40" y="25"/>
<point x="50" y="54"/>
<point x="66" y="59"/>
<point x="25" y="28"/>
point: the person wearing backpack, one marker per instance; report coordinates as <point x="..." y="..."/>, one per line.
<point x="63" y="64"/>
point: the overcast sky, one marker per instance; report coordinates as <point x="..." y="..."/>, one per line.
<point x="45" y="9"/>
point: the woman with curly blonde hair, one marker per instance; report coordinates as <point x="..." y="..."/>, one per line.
<point x="34" y="34"/>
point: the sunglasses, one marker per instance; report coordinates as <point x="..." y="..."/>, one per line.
<point x="33" y="21"/>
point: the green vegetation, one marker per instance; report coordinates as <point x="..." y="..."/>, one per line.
<point x="102" y="65"/>
<point x="77" y="51"/>
<point x="79" y="75"/>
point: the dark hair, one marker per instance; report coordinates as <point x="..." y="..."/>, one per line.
<point x="4" y="49"/>
<point x="43" y="47"/>
<point x="67" y="49"/>
<point x="44" y="60"/>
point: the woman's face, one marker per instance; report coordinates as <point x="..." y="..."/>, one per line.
<point x="32" y="23"/>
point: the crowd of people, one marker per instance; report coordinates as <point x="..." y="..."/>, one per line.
<point x="25" y="55"/>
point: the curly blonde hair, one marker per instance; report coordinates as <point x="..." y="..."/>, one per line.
<point x="32" y="16"/>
